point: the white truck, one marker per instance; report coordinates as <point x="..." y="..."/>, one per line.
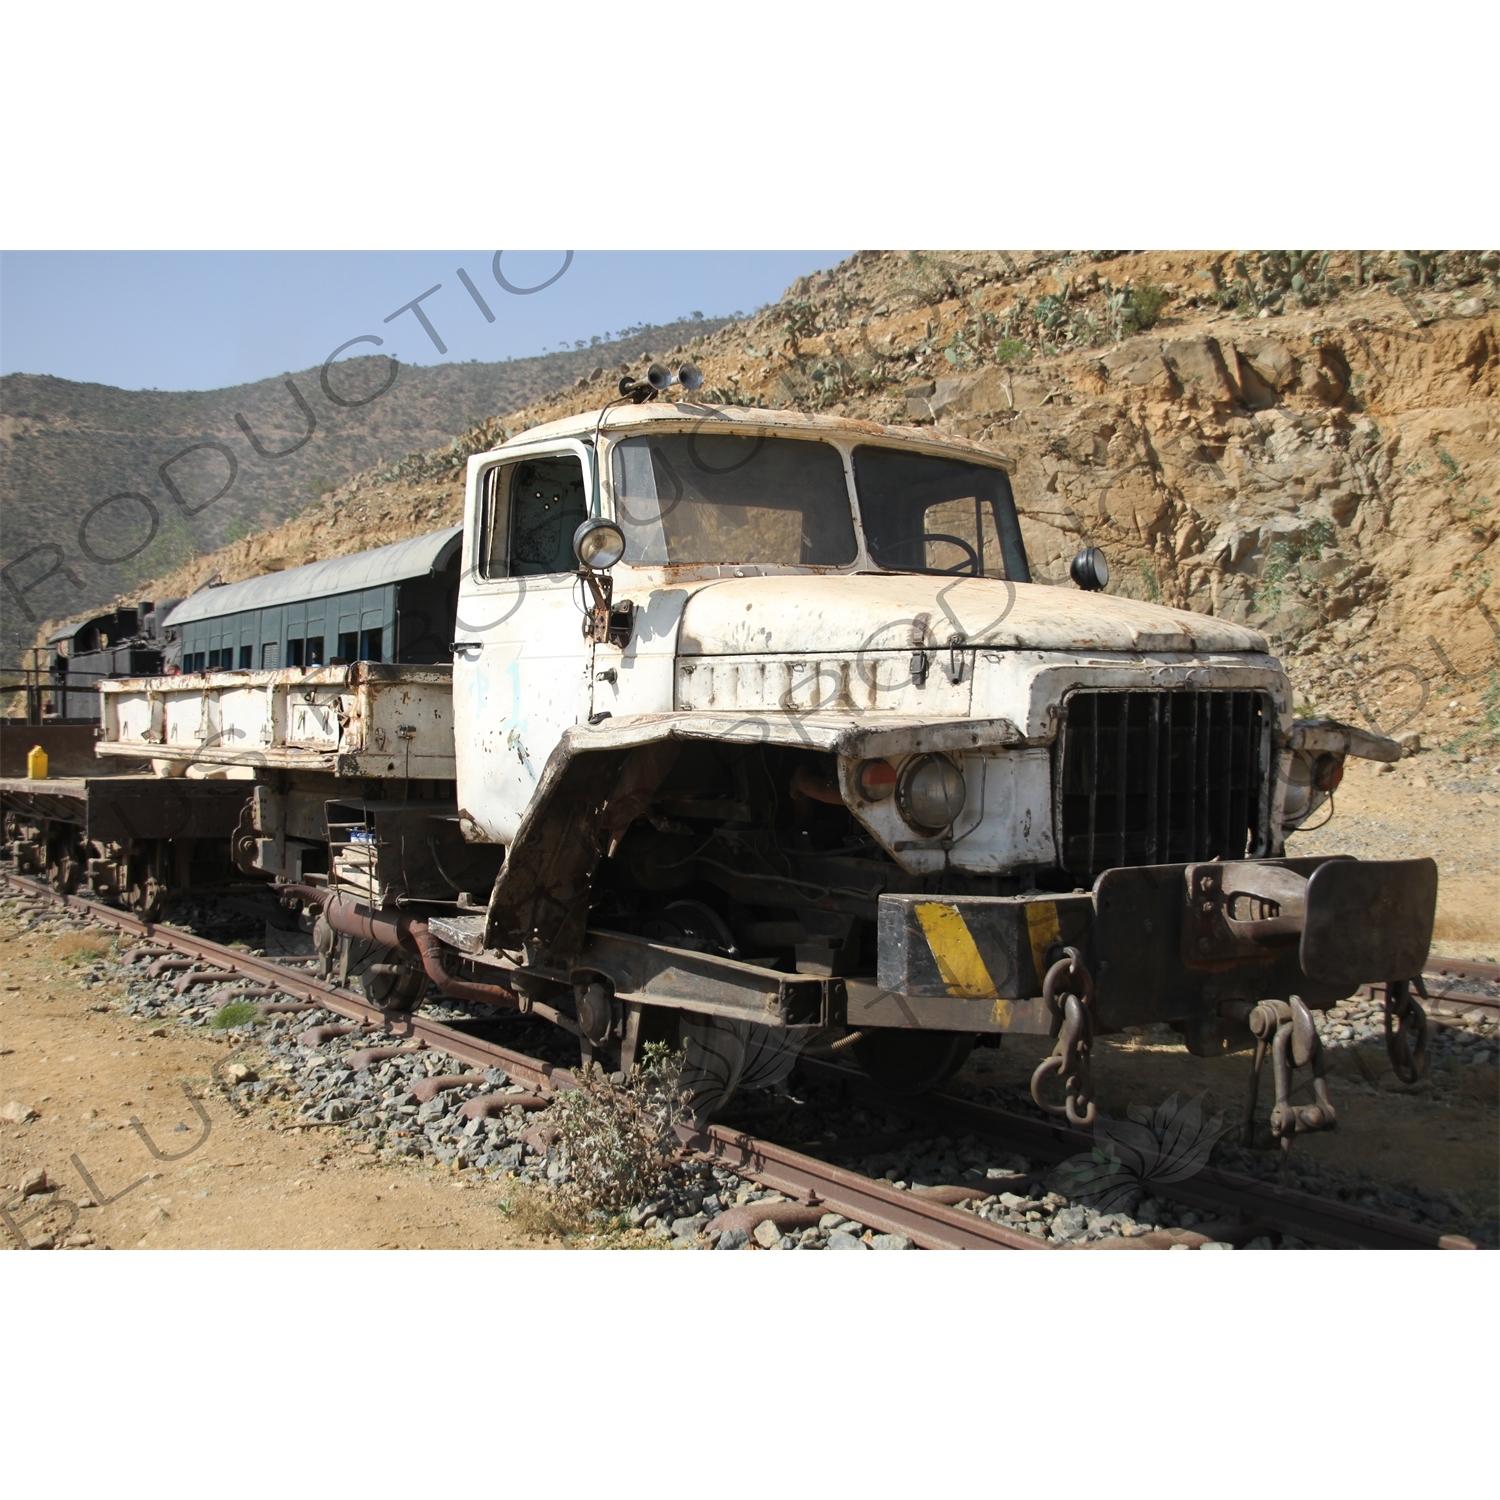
<point x="757" y="729"/>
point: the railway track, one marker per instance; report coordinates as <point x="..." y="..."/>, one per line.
<point x="930" y="1225"/>
<point x="1463" y="968"/>
<point x="1446" y="1002"/>
<point x="1259" y="1205"/>
<point x="808" y="1178"/>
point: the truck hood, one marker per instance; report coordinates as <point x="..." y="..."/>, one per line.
<point x="820" y="614"/>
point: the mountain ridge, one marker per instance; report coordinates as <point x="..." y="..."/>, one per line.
<point x="114" y="488"/>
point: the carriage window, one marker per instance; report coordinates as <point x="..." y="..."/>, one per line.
<point x="247" y="658"/>
<point x="270" y="656"/>
<point x="547" y="503"/>
<point x="313" y="654"/>
<point x="294" y="653"/>
<point x="370" y="642"/>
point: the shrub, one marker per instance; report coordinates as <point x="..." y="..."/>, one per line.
<point x="618" y="1137"/>
<point x="799" y="317"/>
<point x="1284" y="555"/>
<point x="1144" y="306"/>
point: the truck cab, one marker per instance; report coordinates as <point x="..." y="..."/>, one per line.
<point x="812" y="722"/>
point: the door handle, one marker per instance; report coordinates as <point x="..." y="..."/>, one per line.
<point x="454" y="646"/>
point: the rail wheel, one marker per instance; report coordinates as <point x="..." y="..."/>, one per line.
<point x="147" y="898"/>
<point x="693" y="925"/>
<point x="386" y="977"/>
<point x="719" y="1055"/>
<point x="64" y="871"/>
<point x="912" y="1062"/>
<point x="713" y="1051"/>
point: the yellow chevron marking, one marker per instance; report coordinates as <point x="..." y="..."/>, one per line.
<point x="958" y="959"/>
<point x="1042" y="928"/>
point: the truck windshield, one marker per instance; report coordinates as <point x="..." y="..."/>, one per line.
<point x="691" y="497"/>
<point x="924" y="514"/>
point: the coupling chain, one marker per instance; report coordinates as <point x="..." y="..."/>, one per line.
<point x="1075" y="1039"/>
<point x="1405" y="1024"/>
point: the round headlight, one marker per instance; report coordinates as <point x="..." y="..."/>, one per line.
<point x="598" y="543"/>
<point x="932" y="793"/>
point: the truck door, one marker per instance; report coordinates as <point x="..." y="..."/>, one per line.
<point x="521" y="665"/>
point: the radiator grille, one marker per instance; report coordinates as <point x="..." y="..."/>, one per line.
<point x="1161" y="778"/>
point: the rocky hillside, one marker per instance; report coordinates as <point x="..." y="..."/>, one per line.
<point x="1307" y="442"/>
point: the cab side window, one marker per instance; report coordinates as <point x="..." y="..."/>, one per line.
<point x="547" y="504"/>
<point x="494" y="533"/>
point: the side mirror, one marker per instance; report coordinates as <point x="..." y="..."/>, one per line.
<point x="598" y="544"/>
<point x="1089" y="570"/>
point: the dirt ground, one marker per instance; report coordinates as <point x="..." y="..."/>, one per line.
<point x="250" y="1183"/>
<point x="1400" y="1137"/>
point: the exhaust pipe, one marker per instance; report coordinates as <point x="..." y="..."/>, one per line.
<point x="408" y="933"/>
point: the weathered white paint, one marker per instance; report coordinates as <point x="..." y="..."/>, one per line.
<point x="1006" y="820"/>
<point x="883" y="611"/>
<point x="818" y="657"/>
<point x="342" y="719"/>
<point x="521" y="672"/>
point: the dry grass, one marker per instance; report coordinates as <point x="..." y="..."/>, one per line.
<point x="81" y="945"/>
<point x="1468" y="916"/>
<point x="534" y="1211"/>
<point x="1459" y="928"/>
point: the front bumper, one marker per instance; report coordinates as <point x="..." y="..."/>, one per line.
<point x="1172" y="943"/>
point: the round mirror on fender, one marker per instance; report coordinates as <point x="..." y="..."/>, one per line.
<point x="1089" y="570"/>
<point x="689" y="377"/>
<point x="598" y="544"/>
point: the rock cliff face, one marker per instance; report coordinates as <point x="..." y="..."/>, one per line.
<point x="1309" y="444"/>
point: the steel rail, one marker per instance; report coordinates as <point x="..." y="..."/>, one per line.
<point x="1462" y="1000"/>
<point x="1322" y="1221"/>
<point x="866" y="1200"/>
<point x="1440" y="1004"/>
<point x="1462" y="968"/>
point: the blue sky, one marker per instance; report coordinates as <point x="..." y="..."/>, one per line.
<point x="199" y="320"/>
